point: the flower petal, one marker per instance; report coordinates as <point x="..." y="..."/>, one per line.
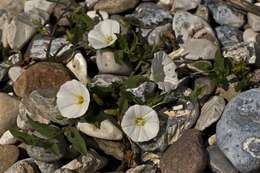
<point x="96" y="39"/>
<point x="109" y="27"/>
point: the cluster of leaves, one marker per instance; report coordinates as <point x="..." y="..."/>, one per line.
<point x="55" y="139"/>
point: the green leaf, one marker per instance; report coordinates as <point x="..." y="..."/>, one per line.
<point x="135" y="81"/>
<point x="46" y="130"/>
<point x="76" y="139"/>
<point x="24" y="137"/>
<point x="119" y="56"/>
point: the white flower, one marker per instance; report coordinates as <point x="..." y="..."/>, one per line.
<point x="73" y="99"/>
<point x="104" y="34"/>
<point x="140" y="123"/>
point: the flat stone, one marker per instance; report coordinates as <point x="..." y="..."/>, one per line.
<point x="187" y="155"/>
<point x="218" y="162"/>
<point x="7" y="138"/>
<point x="149" y="15"/>
<point x="115" y="6"/>
<point x="41" y="76"/>
<point x="187" y="26"/>
<point x="8" y="112"/>
<point x="200" y="49"/>
<point x="24" y="166"/>
<point x="225" y="15"/>
<point x="8" y="155"/>
<point x="238" y="131"/>
<point x="228" y="36"/>
<point x="185" y="4"/>
<point x="89" y="163"/>
<point x="107" y="130"/>
<point x="210" y="112"/>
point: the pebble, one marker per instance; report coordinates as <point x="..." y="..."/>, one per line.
<point x="187" y="155"/>
<point x="107" y="64"/>
<point x="163" y="72"/>
<point x="187" y="26"/>
<point x="203" y="12"/>
<point x="238" y="131"/>
<point x="48" y="167"/>
<point x="7" y="138"/>
<point x="89" y="163"/>
<point x="155" y="37"/>
<point x="115" y="6"/>
<point x="40" y="76"/>
<point x="218" y="162"/>
<point x="13" y="7"/>
<point x="8" y="155"/>
<point x="149" y="15"/>
<point x="208" y="88"/>
<point x="143" y="169"/>
<point x="225" y="15"/>
<point x="250" y="35"/>
<point x="212" y="140"/>
<point x="229" y="36"/>
<point x="107" y="130"/>
<point x="254" y="20"/>
<point x="24" y="166"/>
<point x="210" y="112"/>
<point x="8" y="112"/>
<point x="15" y="72"/>
<point x="106" y="79"/>
<point x="185" y="4"/>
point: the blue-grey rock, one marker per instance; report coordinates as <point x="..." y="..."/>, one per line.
<point x="225" y="15"/>
<point x="238" y="131"/>
<point x="218" y="162"/>
<point x="149" y="15"/>
<point x="228" y="35"/>
<point x="188" y="26"/>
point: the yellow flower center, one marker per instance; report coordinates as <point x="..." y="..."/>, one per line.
<point x="108" y="39"/>
<point x="80" y="100"/>
<point x="139" y="121"/>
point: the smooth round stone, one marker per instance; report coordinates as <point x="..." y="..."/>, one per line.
<point x="107" y="64"/>
<point x="238" y="131"/>
<point x="15" y="72"/>
<point x="107" y="130"/>
<point x="8" y="155"/>
<point x="9" y="109"/>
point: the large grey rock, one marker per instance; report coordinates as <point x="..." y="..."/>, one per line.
<point x="187" y="26"/>
<point x="218" y="162"/>
<point x="210" y="112"/>
<point x="238" y="131"/>
<point x="115" y="6"/>
<point x="228" y="36"/>
<point x="9" y="110"/>
<point x="149" y="15"/>
<point x="89" y="163"/>
<point x="24" y="166"/>
<point x="225" y="15"/>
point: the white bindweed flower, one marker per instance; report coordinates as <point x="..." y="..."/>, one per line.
<point x="104" y="34"/>
<point x="73" y="99"/>
<point x="140" y="123"/>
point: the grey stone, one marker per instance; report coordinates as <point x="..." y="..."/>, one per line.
<point x="210" y="112"/>
<point x="41" y="154"/>
<point x="250" y="35"/>
<point x="64" y="171"/>
<point x="24" y="166"/>
<point x="143" y="90"/>
<point x="187" y="26"/>
<point x="115" y="149"/>
<point x="228" y="36"/>
<point x="185" y="4"/>
<point x="12" y="7"/>
<point x="238" y="131"/>
<point x="163" y="72"/>
<point x="254" y="20"/>
<point x="225" y="15"/>
<point x="155" y="37"/>
<point x="8" y="112"/>
<point x="8" y="155"/>
<point x="115" y="6"/>
<point x="38" y="48"/>
<point x="42" y="103"/>
<point x="48" y="167"/>
<point x="218" y="162"/>
<point x="203" y="12"/>
<point x="208" y="88"/>
<point x="89" y="163"/>
<point x="107" y="79"/>
<point x="200" y="49"/>
<point x="149" y="15"/>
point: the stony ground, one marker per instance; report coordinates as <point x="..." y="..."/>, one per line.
<point x="194" y="63"/>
